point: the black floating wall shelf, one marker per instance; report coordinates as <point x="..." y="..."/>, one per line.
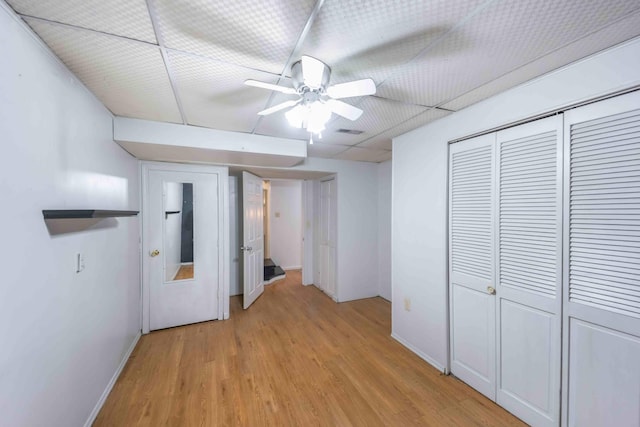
<point x="84" y="213"/>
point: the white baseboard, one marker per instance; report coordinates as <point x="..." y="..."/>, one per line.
<point x="112" y="382"/>
<point x="420" y="354"/>
<point x="292" y="267"/>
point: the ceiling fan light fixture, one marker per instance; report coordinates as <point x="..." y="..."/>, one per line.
<point x="319" y="115"/>
<point x="296" y="116"/>
<point x="312" y="116"/>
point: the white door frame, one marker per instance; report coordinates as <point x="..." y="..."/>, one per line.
<point x="317" y="239"/>
<point x="223" y="230"/>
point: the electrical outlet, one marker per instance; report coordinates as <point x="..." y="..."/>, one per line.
<point x="407" y="304"/>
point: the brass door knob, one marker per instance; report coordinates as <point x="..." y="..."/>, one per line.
<point x="491" y="290"/>
<point x="154" y="252"/>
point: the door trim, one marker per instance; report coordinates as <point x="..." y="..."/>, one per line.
<point x="318" y="213"/>
<point x="223" y="232"/>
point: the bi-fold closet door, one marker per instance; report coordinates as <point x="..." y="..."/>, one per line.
<point x="545" y="256"/>
<point x="506" y="267"/>
<point x="601" y="307"/>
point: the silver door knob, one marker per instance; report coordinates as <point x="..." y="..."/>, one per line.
<point x="246" y="248"/>
<point x="154" y="253"/>
<point x="491" y="290"/>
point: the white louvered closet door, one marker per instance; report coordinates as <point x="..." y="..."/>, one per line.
<point x="471" y="262"/>
<point x="601" y="339"/>
<point x="529" y="270"/>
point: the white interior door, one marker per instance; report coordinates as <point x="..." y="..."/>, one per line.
<point x="529" y="270"/>
<point x="182" y="244"/>
<point x="252" y="239"/>
<point x="328" y="211"/>
<point x="471" y="263"/>
<point x="601" y="342"/>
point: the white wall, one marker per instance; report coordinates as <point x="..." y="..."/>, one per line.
<point x="64" y="334"/>
<point x="172" y="229"/>
<point x="357" y="203"/>
<point x="285" y="218"/>
<point x="419" y="247"/>
<point x="384" y="230"/>
<point x="235" y="287"/>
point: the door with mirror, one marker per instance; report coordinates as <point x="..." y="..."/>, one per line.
<point x="182" y="246"/>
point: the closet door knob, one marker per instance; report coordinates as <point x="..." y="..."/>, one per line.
<point x="154" y="253"/>
<point x="491" y="290"/>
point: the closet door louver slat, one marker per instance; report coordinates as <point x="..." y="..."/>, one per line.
<point x="470" y="212"/>
<point x="604" y="217"/>
<point x="528" y="217"/>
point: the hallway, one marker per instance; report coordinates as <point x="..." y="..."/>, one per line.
<point x="294" y="358"/>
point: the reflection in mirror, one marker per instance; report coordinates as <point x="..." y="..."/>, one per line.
<point x="178" y="231"/>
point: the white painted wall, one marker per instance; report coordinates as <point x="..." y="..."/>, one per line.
<point x="384" y="230"/>
<point x="64" y="334"/>
<point x="357" y="201"/>
<point x="419" y="247"/>
<point x="357" y="251"/>
<point x="285" y="218"/>
<point x="235" y="287"/>
<point x="172" y="229"/>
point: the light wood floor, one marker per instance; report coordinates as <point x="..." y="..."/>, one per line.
<point x="295" y="358"/>
<point x="184" y="272"/>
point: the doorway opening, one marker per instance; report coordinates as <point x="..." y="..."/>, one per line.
<point x="291" y="224"/>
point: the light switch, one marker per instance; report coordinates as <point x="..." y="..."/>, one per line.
<point x="79" y="263"/>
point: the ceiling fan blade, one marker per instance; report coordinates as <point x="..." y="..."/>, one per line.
<point x="263" y="85"/>
<point x="343" y="109"/>
<point x="278" y="107"/>
<point x="312" y="71"/>
<point x="355" y="88"/>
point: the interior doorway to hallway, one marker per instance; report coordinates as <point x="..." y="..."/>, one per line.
<point x="291" y="218"/>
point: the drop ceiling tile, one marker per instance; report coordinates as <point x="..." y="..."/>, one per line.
<point x="379" y="142"/>
<point x="611" y="35"/>
<point x="358" y="154"/>
<point x="324" y="150"/>
<point x="372" y="39"/>
<point x="259" y="35"/>
<point x="383" y="140"/>
<point x="379" y="114"/>
<point x="504" y="36"/>
<point x="127" y="18"/>
<point x="128" y="77"/>
<point x="213" y="93"/>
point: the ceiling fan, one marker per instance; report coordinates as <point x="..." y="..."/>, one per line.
<point x="316" y="100"/>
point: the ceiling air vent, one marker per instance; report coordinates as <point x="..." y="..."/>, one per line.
<point x="350" y="131"/>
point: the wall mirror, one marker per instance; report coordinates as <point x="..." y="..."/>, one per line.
<point x="178" y="231"/>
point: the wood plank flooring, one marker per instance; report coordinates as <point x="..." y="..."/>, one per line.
<point x="295" y="358"/>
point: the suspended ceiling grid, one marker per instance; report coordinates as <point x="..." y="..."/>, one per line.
<point x="186" y="61"/>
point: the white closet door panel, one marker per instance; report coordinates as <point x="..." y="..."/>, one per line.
<point x="471" y="266"/>
<point x="602" y="252"/>
<point x="604" y="376"/>
<point x="527" y="365"/>
<point x="529" y="267"/>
